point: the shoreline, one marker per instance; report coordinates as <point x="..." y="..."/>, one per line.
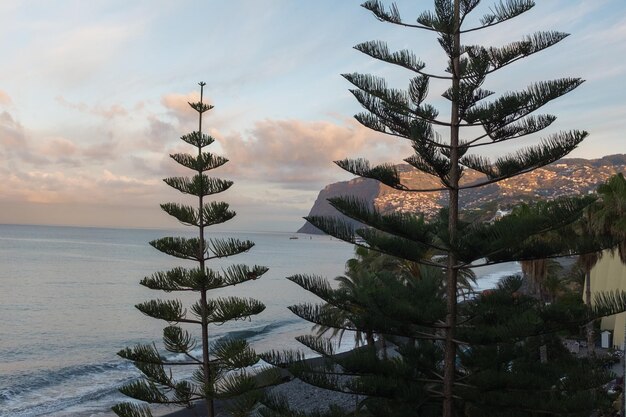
<point x="300" y="396"/>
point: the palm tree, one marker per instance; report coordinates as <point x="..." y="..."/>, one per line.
<point x="357" y="288"/>
<point x="365" y="275"/>
<point x="368" y="273"/>
<point x="586" y="262"/>
<point x="538" y="272"/>
<point x="609" y="215"/>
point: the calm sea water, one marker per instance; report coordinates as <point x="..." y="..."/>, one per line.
<point x="67" y="297"/>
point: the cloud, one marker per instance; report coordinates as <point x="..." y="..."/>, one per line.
<point x="177" y="106"/>
<point x="15" y="144"/>
<point x="59" y="147"/>
<point x="5" y="100"/>
<point x="301" y="153"/>
<point x="110" y="112"/>
<point x="60" y="150"/>
<point x="102" y="151"/>
<point x="37" y="186"/>
<point x="11" y="132"/>
<point x="158" y="134"/>
<point x="57" y="186"/>
<point x="124" y="180"/>
<point x="19" y="146"/>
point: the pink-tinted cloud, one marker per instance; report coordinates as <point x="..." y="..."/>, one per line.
<point x="59" y="147"/>
<point x="110" y="112"/>
<point x="158" y="134"/>
<point x="102" y="151"/>
<point x="177" y="105"/>
<point x="5" y="100"/>
<point x="20" y="146"/>
<point x="11" y="132"/>
<point x="300" y="152"/>
<point x="186" y="119"/>
<point x="57" y="186"/>
<point x="15" y="145"/>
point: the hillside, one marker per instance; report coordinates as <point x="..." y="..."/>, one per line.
<point x="564" y="177"/>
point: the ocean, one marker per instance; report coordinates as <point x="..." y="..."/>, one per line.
<point x="67" y="297"/>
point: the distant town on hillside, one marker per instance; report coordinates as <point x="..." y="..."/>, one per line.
<point x="572" y="176"/>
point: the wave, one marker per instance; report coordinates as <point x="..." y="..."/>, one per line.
<point x="52" y="391"/>
<point x="256" y="332"/>
<point x="487" y="277"/>
<point x="45" y="392"/>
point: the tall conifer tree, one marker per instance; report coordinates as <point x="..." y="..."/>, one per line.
<point x="498" y="354"/>
<point x="220" y="365"/>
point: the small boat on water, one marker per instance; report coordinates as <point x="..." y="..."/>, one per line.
<point x="293" y="237"/>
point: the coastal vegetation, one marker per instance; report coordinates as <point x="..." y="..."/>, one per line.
<point x="606" y="217"/>
<point x="497" y="353"/>
<point x="221" y="366"/>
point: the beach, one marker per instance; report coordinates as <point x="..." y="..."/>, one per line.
<point x="300" y="396"/>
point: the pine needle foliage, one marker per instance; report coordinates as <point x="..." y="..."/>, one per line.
<point x="495" y="354"/>
<point x="221" y="366"/>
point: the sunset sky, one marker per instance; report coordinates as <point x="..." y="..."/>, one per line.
<point x="93" y="98"/>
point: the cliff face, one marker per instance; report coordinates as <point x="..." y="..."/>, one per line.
<point x="363" y="188"/>
<point x="564" y="177"/>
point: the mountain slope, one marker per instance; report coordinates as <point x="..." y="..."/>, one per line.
<point x="565" y="177"/>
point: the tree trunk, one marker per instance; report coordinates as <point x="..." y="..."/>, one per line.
<point x="591" y="345"/>
<point x="206" y="366"/>
<point x="452" y="275"/>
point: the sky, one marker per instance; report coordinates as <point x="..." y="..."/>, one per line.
<point x="93" y="99"/>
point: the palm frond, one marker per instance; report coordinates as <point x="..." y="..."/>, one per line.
<point x="608" y="303"/>
<point x="320" y="315"/>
